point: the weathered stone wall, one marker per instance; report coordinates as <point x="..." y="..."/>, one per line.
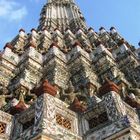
<point x="6" y="125"/>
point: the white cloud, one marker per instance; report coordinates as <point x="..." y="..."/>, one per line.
<point x="12" y="10"/>
<point x="18" y="14"/>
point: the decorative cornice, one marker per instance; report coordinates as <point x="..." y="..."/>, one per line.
<point x="54" y="44"/>
<point x="102" y="28"/>
<point x="30" y="45"/>
<point x="107" y="87"/>
<point x="98" y="43"/>
<point x="112" y="28"/>
<point x="8" y="45"/>
<point x="46" y="88"/>
<point x="90" y="29"/>
<point x="33" y="30"/>
<point x="76" y="106"/>
<point x="22" y="30"/>
<point x="77" y="43"/>
<point x="122" y="41"/>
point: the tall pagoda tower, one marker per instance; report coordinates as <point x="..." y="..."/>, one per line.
<point x="64" y="81"/>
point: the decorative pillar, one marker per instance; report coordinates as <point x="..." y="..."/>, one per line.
<point x="45" y="110"/>
<point x="112" y="100"/>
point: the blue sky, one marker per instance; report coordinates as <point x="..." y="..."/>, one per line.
<point x="123" y="14"/>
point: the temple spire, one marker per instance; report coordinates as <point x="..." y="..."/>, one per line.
<point x="61" y="14"/>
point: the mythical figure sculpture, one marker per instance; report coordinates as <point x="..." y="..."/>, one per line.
<point x="32" y="96"/>
<point x="69" y="95"/>
<point x="90" y="91"/>
<point x="26" y="94"/>
<point x="3" y="95"/>
<point x="123" y="90"/>
<point x="135" y="91"/>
